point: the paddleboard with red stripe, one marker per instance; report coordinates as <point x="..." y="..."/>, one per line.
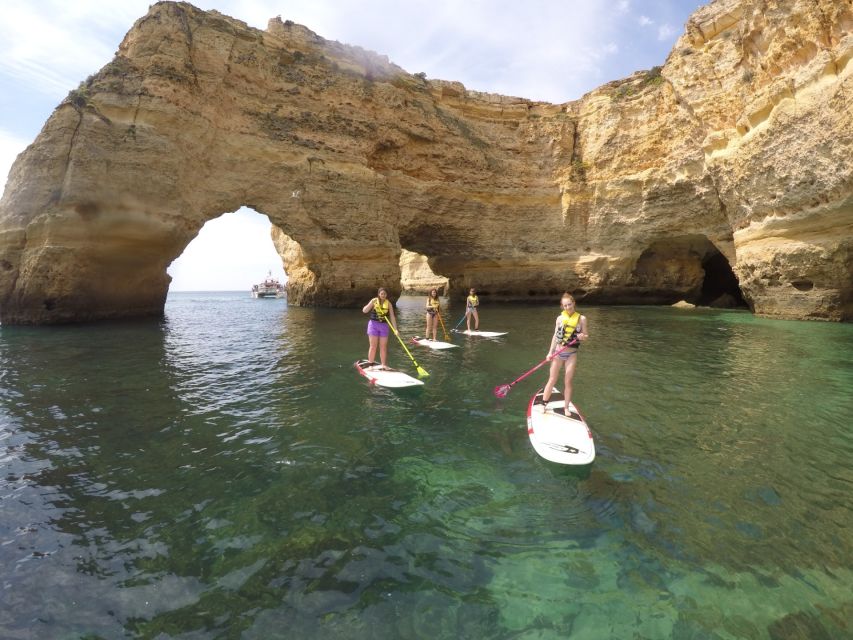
<point x="556" y="434"/>
<point x="390" y="378"/>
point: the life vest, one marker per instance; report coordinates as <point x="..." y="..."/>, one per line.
<point x="473" y="301"/>
<point x="568" y="329"/>
<point x="380" y="311"/>
<point x="433" y="305"/>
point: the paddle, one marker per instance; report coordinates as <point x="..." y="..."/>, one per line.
<point x="502" y="389"/>
<point x="443" y="328"/>
<point x="461" y="320"/>
<point x="422" y="373"/>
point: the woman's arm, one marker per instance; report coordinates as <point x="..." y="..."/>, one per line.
<point x="368" y="306"/>
<point x="583" y="334"/>
<point x="391" y="315"/>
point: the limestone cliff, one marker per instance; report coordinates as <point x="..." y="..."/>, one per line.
<point x="726" y="170"/>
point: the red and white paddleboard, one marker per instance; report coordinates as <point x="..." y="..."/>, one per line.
<point x="391" y="378"/>
<point x="556" y="434"/>
<point x="433" y="344"/>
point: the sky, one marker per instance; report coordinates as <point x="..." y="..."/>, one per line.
<point x="551" y="50"/>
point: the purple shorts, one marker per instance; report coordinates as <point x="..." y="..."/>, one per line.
<point x="380" y="329"/>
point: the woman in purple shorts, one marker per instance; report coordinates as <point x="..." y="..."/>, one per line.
<point x="381" y="314"/>
<point x="571" y="328"/>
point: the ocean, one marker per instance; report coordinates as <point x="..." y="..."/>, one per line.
<point x="225" y="473"/>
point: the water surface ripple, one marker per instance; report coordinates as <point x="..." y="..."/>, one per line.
<point x="224" y="473"/>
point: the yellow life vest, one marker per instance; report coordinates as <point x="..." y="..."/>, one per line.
<point x="433" y="305"/>
<point x="568" y="328"/>
<point x="473" y="301"/>
<point x="380" y="311"/>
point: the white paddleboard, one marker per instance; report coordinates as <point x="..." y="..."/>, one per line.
<point x="433" y="344"/>
<point x="485" y="334"/>
<point x="391" y="378"/>
<point x="558" y="436"/>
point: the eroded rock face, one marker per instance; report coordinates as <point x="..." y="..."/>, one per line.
<point x="735" y="153"/>
<point x="417" y="277"/>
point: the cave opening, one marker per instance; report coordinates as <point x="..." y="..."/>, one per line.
<point x="417" y="277"/>
<point x="687" y="268"/>
<point x="233" y="252"/>
<point x="720" y="286"/>
<point x="425" y="248"/>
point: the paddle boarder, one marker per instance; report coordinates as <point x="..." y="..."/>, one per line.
<point x="471" y="304"/>
<point x="381" y="314"/>
<point x="570" y="329"/>
<point x="433" y="308"/>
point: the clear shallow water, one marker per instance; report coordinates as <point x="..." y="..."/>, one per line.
<point x="225" y="474"/>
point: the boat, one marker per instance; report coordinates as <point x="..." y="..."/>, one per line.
<point x="269" y="288"/>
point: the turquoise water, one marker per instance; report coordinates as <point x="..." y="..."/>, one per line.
<point x="225" y="473"/>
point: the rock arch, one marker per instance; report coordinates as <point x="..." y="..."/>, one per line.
<point x="353" y="159"/>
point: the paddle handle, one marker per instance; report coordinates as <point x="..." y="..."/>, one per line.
<point x="443" y="328"/>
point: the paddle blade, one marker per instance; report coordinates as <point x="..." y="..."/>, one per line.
<point x="501" y="390"/>
<point x="422" y="373"/>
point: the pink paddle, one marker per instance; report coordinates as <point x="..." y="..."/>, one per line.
<point x="502" y="390"/>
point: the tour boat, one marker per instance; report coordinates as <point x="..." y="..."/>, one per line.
<point x="269" y="288"/>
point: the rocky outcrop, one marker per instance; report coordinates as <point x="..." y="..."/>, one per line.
<point x="417" y="277"/>
<point x="728" y="167"/>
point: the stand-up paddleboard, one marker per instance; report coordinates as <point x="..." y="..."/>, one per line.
<point x="391" y="378"/>
<point x="433" y="344"/>
<point x="558" y="436"/>
<point x="484" y="334"/>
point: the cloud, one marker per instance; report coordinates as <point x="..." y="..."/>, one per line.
<point x="51" y="46"/>
<point x="645" y="21"/>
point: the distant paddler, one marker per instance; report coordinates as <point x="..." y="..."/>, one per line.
<point x="472" y="302"/>
<point x="433" y="309"/>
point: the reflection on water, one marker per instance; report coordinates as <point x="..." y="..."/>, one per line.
<point x="225" y="473"/>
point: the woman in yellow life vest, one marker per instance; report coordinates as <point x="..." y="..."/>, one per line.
<point x="381" y="314"/>
<point x="471" y="304"/>
<point x="571" y="329"/>
<point x="433" y="308"/>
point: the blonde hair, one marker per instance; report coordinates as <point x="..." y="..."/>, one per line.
<point x="567" y="296"/>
